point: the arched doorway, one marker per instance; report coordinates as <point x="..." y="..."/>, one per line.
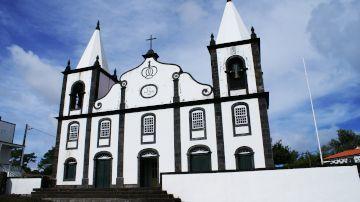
<point x="199" y="158"/>
<point x="102" y="169"/>
<point x="148" y="168"/>
<point x="244" y="158"/>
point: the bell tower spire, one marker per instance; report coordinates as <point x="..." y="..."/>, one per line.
<point x="94" y="49"/>
<point x="232" y="27"/>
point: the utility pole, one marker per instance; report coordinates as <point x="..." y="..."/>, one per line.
<point x="313" y="113"/>
<point x="27" y="127"/>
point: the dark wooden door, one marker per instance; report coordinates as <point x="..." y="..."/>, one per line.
<point x="200" y="163"/>
<point x="245" y="162"/>
<point x="103" y="173"/>
<point x="149" y="172"/>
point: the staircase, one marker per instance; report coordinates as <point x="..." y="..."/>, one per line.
<point x="104" y="194"/>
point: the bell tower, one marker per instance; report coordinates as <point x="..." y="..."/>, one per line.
<point x="236" y="69"/>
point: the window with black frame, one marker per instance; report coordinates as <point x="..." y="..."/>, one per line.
<point x="148" y="128"/>
<point x="104" y="132"/>
<point x="73" y="135"/>
<point x="70" y="169"/>
<point x="197" y="124"/>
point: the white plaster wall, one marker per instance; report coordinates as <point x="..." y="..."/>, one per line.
<point x="210" y="141"/>
<point x="22" y="185"/>
<point x="254" y="141"/>
<point x="113" y="148"/>
<point x="162" y="79"/>
<point x="72" y="78"/>
<point x="78" y="153"/>
<point x="190" y="90"/>
<point x="164" y="143"/>
<point x="110" y="102"/>
<point x="332" y="184"/>
<point x="244" y="51"/>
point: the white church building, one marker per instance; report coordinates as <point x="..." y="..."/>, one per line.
<point x="156" y="118"/>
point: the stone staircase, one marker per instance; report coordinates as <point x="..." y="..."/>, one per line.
<point x="105" y="194"/>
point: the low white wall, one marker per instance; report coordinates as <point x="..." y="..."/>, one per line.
<point x="22" y="185"/>
<point x="327" y="184"/>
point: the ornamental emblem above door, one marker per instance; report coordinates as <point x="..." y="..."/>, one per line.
<point x="149" y="71"/>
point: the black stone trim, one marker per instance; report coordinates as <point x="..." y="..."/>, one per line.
<point x="99" y="129"/>
<point x="149" y="96"/>
<point x="265" y="130"/>
<point x="65" y="171"/>
<point x="177" y="124"/>
<point x="233" y="118"/>
<point x="58" y="131"/>
<point x="191" y="124"/>
<point x="219" y="100"/>
<point x="219" y="136"/>
<point x="72" y="71"/>
<point x="255" y="47"/>
<point x="92" y="98"/>
<point x="68" y="136"/>
<point x="120" y="154"/>
<point x="147" y="134"/>
<point x="157" y="156"/>
<point x="235" y="43"/>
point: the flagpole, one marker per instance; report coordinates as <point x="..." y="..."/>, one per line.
<point x="313" y="113"/>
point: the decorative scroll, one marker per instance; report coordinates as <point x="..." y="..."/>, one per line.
<point x="148" y="91"/>
<point x="149" y="71"/>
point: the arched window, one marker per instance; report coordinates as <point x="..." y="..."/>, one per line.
<point x="236" y="73"/>
<point x="70" y="169"/>
<point x="241" y="119"/>
<point x="148" y="128"/>
<point x="77" y="95"/>
<point x="197" y="124"/>
<point x="73" y="135"/>
<point x="104" y="132"/>
<point x="199" y="159"/>
<point x="244" y="158"/>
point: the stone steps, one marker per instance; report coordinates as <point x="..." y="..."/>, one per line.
<point x="103" y="194"/>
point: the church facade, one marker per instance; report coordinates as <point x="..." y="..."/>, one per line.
<point x="155" y="118"/>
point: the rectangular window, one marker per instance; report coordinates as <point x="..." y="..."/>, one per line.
<point x="240" y="114"/>
<point x="74" y="132"/>
<point x="197" y="120"/>
<point x="105" y="129"/>
<point x="149" y="125"/>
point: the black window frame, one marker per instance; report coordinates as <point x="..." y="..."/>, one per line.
<point x="238" y="155"/>
<point x="68" y="135"/>
<point x="77" y="91"/>
<point x="99" y="131"/>
<point x="191" y="123"/>
<point x="232" y="82"/>
<point x="239" y="125"/>
<point x="67" y="169"/>
<point x="143" y="127"/>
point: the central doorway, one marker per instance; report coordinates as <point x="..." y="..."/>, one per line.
<point x="102" y="171"/>
<point x="148" y="168"/>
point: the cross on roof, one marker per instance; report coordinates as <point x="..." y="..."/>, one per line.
<point x="150" y="39"/>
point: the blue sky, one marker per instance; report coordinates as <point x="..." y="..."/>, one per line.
<point x="38" y="37"/>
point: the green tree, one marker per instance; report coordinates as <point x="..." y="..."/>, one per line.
<point x="46" y="162"/>
<point x="284" y="154"/>
<point x="15" y="159"/>
<point x="347" y="139"/>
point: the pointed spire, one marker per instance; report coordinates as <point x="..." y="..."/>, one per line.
<point x="98" y="25"/>
<point x="232" y="27"/>
<point x="114" y="75"/>
<point x="93" y="49"/>
<point x="253" y="34"/>
<point x="212" y="40"/>
<point x="68" y="67"/>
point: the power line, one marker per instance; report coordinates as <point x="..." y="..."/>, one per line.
<point x="45" y="133"/>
